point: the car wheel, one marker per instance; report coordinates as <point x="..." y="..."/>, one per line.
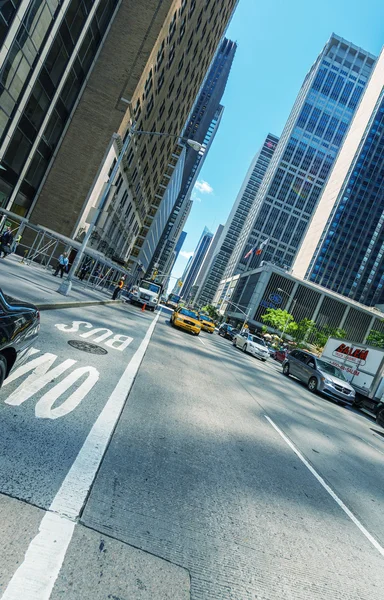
<point x="245" y="348"/>
<point x="380" y="417"/>
<point x="286" y="370"/>
<point x="312" y="385"/>
<point x="3" y="369"/>
<point x="198" y="333"/>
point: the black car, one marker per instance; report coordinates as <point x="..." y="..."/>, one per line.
<point x="227" y="331"/>
<point x="19" y="326"/>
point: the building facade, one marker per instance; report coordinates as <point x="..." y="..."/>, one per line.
<point x="236" y="220"/>
<point x="64" y="75"/>
<point x="258" y="290"/>
<point x="93" y="68"/>
<point x="304" y="156"/>
<point x="201" y="126"/>
<point x="343" y="249"/>
<point x="194" y="265"/>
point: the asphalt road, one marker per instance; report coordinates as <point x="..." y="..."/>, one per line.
<point x="220" y="479"/>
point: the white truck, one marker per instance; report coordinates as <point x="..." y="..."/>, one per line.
<point x="363" y="367"/>
<point x="147" y="293"/>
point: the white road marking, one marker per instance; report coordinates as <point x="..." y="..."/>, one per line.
<point x="201" y="341"/>
<point x="36" y="576"/>
<point x="330" y="491"/>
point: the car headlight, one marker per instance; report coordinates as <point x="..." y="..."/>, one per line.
<point x="328" y="381"/>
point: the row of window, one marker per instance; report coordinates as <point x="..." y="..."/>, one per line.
<point x="45" y="86"/>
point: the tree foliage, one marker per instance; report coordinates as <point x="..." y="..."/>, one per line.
<point x="376" y="338"/>
<point x="322" y="334"/>
<point x="304" y="328"/>
<point x="279" y="319"/>
<point x="211" y="311"/>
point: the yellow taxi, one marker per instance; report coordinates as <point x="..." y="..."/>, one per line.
<point x="187" y="319"/>
<point x="207" y="324"/>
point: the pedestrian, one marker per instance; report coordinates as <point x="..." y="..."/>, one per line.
<point x="16" y="242"/>
<point x="118" y="288"/>
<point x="62" y="265"/>
<point x="84" y="271"/>
<point x="6" y="242"/>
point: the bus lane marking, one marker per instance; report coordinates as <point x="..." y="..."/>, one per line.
<point x="35" y="577"/>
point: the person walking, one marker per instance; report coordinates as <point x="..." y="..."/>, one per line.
<point x="6" y="242"/>
<point x="118" y="288"/>
<point x="16" y="242"/>
<point x="62" y="265"/>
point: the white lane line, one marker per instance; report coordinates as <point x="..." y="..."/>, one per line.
<point x="36" y="576"/>
<point x="330" y="491"/>
<point x="201" y="341"/>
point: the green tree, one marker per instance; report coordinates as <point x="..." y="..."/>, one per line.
<point x="304" y="328"/>
<point x="211" y="311"/>
<point x="279" y="319"/>
<point x="322" y="334"/>
<point x="264" y="329"/>
<point x="376" y="338"/>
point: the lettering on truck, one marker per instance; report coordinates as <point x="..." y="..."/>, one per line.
<point x="358" y="355"/>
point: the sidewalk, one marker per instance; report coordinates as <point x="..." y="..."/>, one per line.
<point x="33" y="283"/>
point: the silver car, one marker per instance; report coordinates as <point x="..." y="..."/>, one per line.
<point x="319" y="375"/>
<point x="252" y="344"/>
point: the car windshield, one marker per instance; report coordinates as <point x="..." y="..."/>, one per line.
<point x="188" y="313"/>
<point x="148" y="285"/>
<point x="330" y="369"/>
<point x="257" y="340"/>
<point x="205" y="318"/>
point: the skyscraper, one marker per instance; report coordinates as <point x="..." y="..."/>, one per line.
<point x="64" y="78"/>
<point x="201" y="126"/>
<point x="196" y="262"/>
<point x="343" y="249"/>
<point x="235" y="222"/>
<point x="304" y="156"/>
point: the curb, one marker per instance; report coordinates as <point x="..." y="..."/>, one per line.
<point x="75" y="304"/>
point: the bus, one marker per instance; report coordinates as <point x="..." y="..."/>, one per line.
<point x="172" y="301"/>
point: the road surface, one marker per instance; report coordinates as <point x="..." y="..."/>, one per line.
<point x="173" y="466"/>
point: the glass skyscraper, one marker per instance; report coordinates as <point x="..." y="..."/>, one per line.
<point x="343" y="249"/>
<point x="304" y="156"/>
<point x="236" y="220"/>
<point x="196" y="262"/>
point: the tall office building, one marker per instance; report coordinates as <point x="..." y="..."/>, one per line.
<point x="194" y="265"/>
<point x="235" y="222"/>
<point x="304" y="156"/>
<point x="343" y="249"/>
<point x="208" y="257"/>
<point x="64" y="77"/>
<point x="74" y="73"/>
<point x="201" y="126"/>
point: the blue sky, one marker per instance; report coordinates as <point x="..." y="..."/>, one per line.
<point x="278" y="42"/>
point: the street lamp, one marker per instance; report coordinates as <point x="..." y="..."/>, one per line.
<point x="247" y="314"/>
<point x="293" y="306"/>
<point x="66" y="286"/>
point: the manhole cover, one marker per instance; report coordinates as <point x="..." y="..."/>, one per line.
<point x="87" y="347"/>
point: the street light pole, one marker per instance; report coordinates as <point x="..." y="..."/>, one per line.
<point x="247" y="314"/>
<point x="66" y="286"/>
<point x="289" y="317"/>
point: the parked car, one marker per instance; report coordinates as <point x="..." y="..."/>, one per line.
<point x="252" y="344"/>
<point x="319" y="375"/>
<point x="186" y="318"/>
<point x="19" y="326"/>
